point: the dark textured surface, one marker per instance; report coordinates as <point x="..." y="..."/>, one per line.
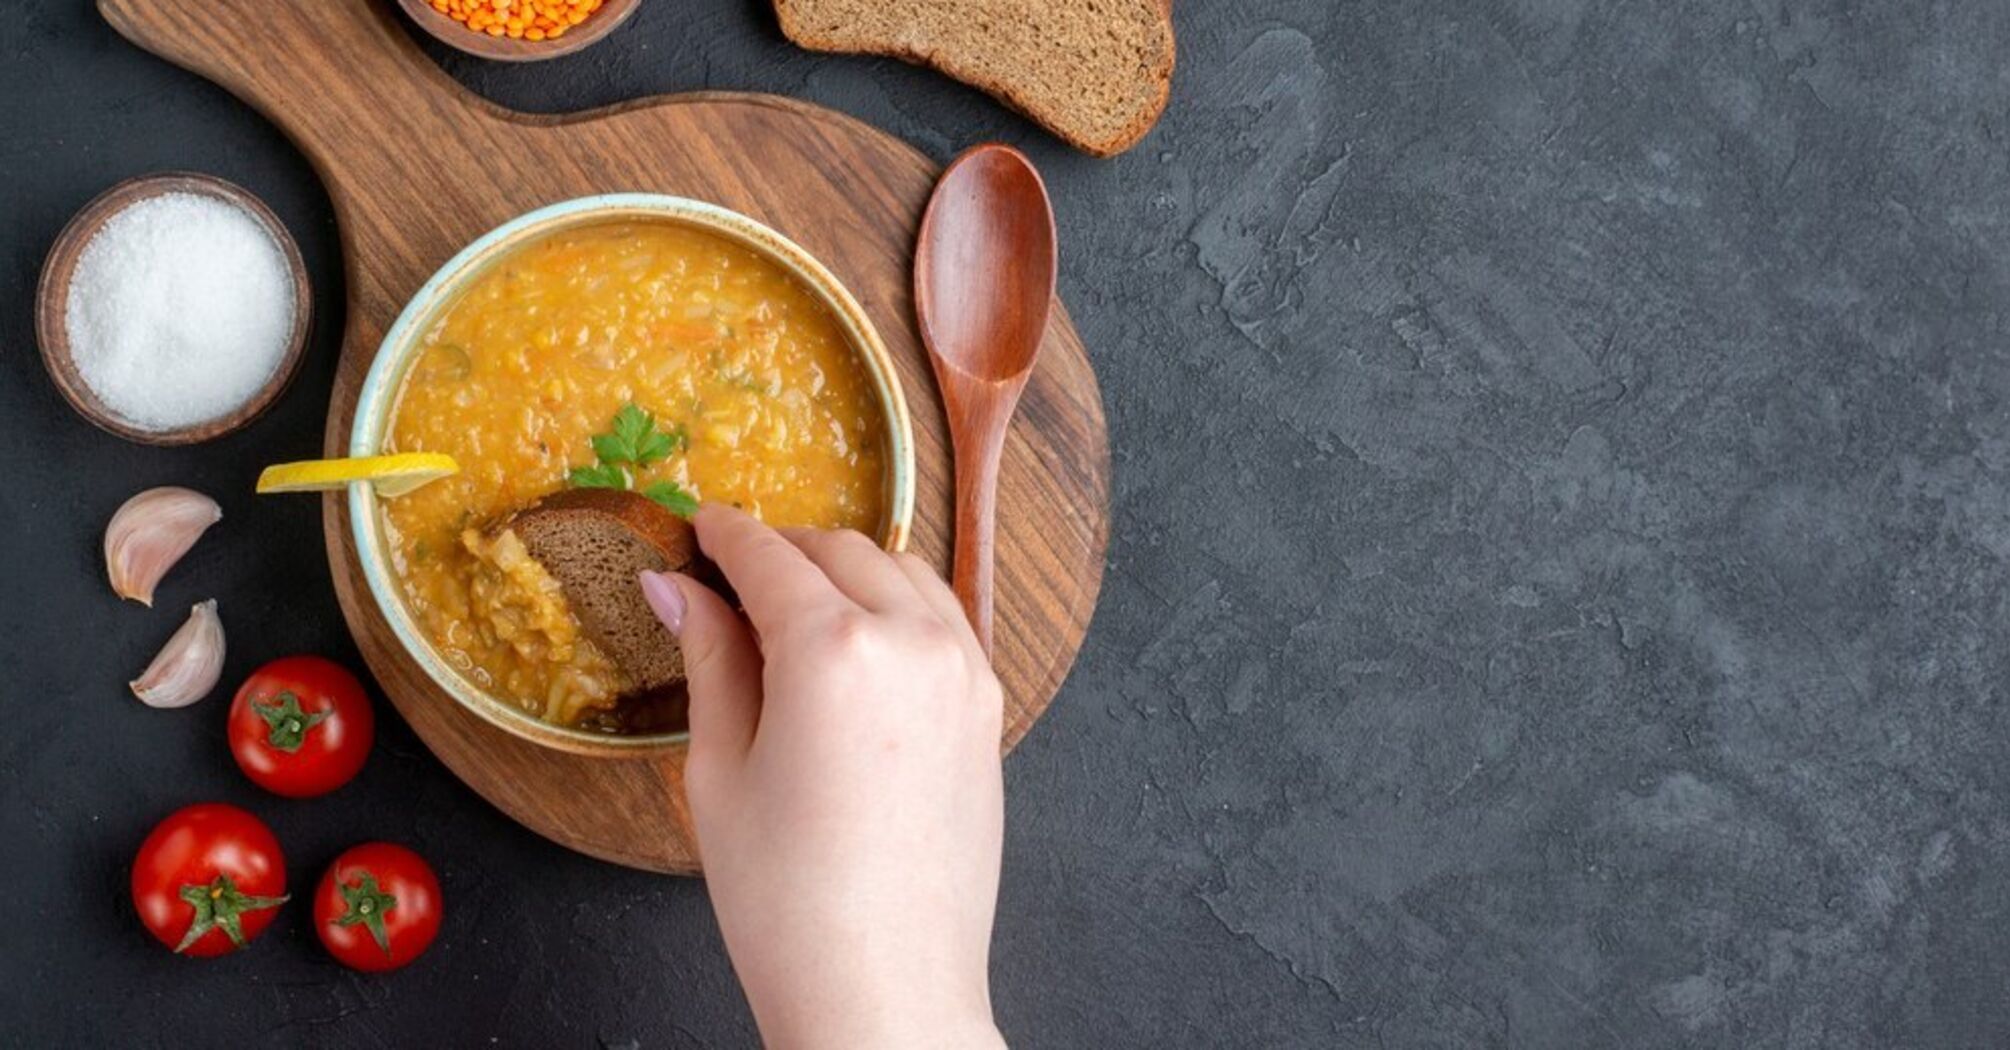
<point x="1556" y="588"/>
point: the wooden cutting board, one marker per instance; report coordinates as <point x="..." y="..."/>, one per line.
<point x="418" y="167"/>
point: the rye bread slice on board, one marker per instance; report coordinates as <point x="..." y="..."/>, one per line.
<point x="1094" y="72"/>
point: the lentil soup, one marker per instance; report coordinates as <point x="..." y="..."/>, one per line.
<point x="771" y="407"/>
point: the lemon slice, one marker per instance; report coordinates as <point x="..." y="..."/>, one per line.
<point x="392" y="475"/>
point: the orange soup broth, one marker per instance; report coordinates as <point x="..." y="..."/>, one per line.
<point x="778" y="413"/>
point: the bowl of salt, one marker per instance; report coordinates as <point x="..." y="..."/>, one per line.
<point x="173" y="309"/>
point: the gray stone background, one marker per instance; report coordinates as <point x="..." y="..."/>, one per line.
<point x="1554" y="598"/>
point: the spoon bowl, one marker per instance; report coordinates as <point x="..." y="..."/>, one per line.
<point x="984" y="272"/>
<point x="983" y="286"/>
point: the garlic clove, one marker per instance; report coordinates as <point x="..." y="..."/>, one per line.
<point x="150" y="533"/>
<point x="189" y="665"/>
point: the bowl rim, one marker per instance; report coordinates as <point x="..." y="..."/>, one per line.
<point x="378" y="396"/>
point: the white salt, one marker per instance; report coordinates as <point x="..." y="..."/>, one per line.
<point x="180" y="310"/>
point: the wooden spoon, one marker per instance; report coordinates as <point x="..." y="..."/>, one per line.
<point x="983" y="283"/>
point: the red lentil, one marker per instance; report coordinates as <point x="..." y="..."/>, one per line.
<point x="518" y="19"/>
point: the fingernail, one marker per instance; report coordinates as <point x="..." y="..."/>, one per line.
<point x="665" y="598"/>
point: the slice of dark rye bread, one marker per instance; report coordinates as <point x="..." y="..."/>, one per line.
<point x="1095" y="72"/>
<point x="595" y="542"/>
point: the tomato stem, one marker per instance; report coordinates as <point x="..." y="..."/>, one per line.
<point x="218" y="904"/>
<point x="368" y="905"/>
<point x="288" y="724"/>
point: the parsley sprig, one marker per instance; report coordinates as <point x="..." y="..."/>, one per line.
<point x="635" y="439"/>
<point x="673" y="497"/>
<point x="630" y="445"/>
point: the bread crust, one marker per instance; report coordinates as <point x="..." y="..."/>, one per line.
<point x="1127" y="136"/>
<point x="668" y="534"/>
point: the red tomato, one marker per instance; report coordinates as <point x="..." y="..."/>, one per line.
<point x="208" y="879"/>
<point x="378" y="907"/>
<point x="301" y="726"/>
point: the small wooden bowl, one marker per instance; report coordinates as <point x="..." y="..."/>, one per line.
<point x="503" y="49"/>
<point x="52" y="297"/>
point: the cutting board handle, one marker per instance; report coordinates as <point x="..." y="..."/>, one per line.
<point x="362" y="89"/>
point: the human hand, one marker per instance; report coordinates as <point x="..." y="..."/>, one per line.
<point x="844" y="782"/>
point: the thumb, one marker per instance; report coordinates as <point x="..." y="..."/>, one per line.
<point x="720" y="660"/>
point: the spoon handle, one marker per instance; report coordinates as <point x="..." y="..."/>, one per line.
<point x="978" y="452"/>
